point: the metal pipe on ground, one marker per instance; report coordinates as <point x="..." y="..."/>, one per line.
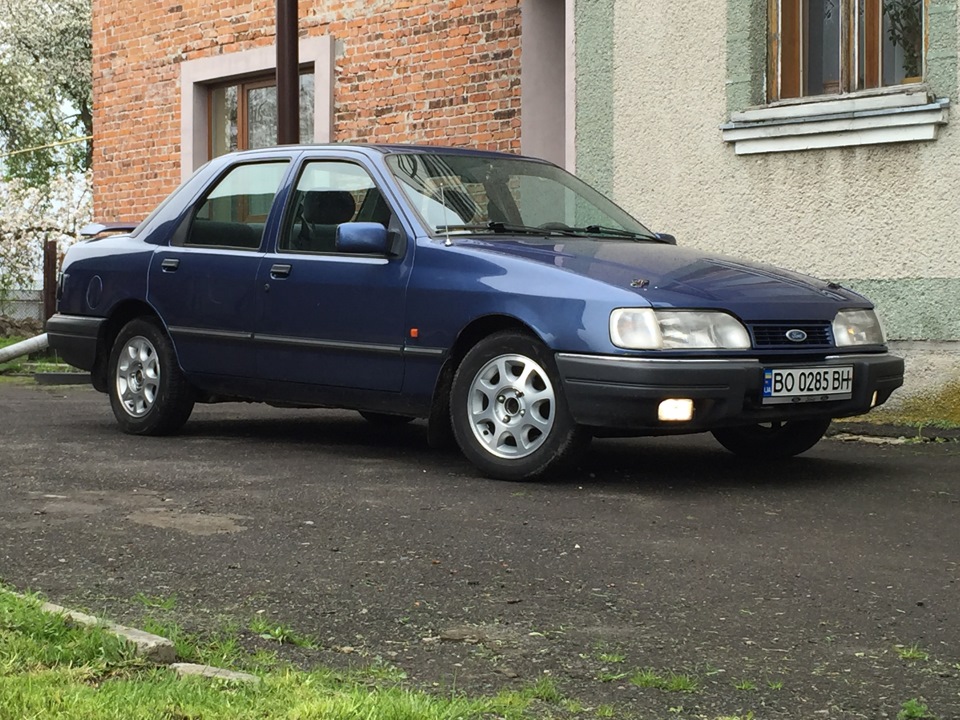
<point x="25" y="347"/>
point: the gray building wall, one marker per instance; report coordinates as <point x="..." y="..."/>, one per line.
<point x="655" y="83"/>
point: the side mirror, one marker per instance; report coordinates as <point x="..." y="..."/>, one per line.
<point x="362" y="238"/>
<point x="666" y="238"/>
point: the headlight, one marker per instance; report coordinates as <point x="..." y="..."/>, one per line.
<point x="857" y="327"/>
<point x="649" y="329"/>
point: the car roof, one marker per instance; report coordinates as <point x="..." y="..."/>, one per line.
<point x="381" y="148"/>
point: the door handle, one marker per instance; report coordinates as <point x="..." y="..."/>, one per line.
<point x="280" y="270"/>
<point x="170" y="264"/>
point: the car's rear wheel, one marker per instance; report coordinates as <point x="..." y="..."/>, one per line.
<point x="384" y="419"/>
<point x="148" y="392"/>
<point x="508" y="411"/>
<point x="772" y="440"/>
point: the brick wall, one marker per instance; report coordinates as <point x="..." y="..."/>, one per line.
<point x="443" y="72"/>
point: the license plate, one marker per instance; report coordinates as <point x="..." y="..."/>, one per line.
<point x="807" y="384"/>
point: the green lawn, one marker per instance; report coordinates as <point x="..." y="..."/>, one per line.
<point x="50" y="669"/>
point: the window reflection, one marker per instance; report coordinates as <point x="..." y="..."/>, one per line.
<point x="823" y="71"/>
<point x="243" y="115"/>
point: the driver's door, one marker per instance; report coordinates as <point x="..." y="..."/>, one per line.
<point x="330" y="318"/>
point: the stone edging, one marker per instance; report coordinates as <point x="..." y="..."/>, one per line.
<point x="154" y="648"/>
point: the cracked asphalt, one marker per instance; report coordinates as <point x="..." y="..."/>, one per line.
<point x="828" y="586"/>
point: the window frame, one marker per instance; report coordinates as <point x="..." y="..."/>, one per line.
<point x="182" y="237"/>
<point x="244" y="87"/>
<point x="786" y="51"/>
<point x="291" y="211"/>
<point x="196" y="76"/>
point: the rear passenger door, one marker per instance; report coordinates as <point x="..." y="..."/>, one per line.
<point x="202" y="285"/>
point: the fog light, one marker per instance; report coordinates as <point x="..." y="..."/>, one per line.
<point x="873" y="403"/>
<point x="675" y="410"/>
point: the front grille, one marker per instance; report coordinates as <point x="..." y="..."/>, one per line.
<point x="775" y="336"/>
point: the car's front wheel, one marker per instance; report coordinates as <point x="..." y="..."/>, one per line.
<point x="508" y="411"/>
<point x="148" y="392"/>
<point x="770" y="441"/>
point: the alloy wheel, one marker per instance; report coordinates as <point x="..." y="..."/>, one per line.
<point x="138" y="376"/>
<point x="511" y="406"/>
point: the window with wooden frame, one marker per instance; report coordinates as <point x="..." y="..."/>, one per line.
<point x="828" y="47"/>
<point x="243" y="115"/>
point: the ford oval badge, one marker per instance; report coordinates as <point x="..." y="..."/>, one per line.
<point x="795" y="335"/>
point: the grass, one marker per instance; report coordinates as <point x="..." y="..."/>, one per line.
<point x="544" y="689"/>
<point x="613" y="658"/>
<point x="938" y="409"/>
<point x="5" y="341"/>
<point x="49" y="668"/>
<point x="673" y="682"/>
<point x="913" y="709"/>
<point x="221" y="648"/>
<point x="607" y="677"/>
<point x="279" y="632"/>
<point x="912" y="653"/>
<point x="156" y="602"/>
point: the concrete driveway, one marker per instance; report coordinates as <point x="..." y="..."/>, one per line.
<point x="824" y="587"/>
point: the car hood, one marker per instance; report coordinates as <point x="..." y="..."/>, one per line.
<point x="669" y="276"/>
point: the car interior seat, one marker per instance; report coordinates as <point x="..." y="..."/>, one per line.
<point x="321" y="213"/>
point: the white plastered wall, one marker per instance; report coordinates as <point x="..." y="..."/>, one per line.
<point x="878" y="213"/>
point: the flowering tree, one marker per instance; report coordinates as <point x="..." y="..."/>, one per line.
<point x="31" y="216"/>
<point x="45" y="107"/>
<point x="45" y="88"/>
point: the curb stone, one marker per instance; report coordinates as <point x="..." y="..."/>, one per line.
<point x="191" y="669"/>
<point x="153" y="648"/>
<point x="925" y="433"/>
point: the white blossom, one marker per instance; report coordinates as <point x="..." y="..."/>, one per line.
<point x="30" y="216"/>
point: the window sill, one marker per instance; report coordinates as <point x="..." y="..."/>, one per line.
<point x="847" y="121"/>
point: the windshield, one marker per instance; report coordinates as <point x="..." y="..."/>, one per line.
<point x="458" y="193"/>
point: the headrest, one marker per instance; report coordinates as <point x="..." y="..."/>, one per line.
<point x="328" y="207"/>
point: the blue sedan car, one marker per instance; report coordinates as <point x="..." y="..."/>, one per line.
<point x="499" y="297"/>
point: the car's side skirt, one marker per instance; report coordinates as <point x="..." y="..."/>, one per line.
<point x="312" y="343"/>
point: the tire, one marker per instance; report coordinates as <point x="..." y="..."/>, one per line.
<point x="148" y="391"/>
<point x="772" y="441"/>
<point x="508" y="411"/>
<point x="385" y="420"/>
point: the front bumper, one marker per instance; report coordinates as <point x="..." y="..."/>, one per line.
<point x="624" y="394"/>
<point x="75" y="338"/>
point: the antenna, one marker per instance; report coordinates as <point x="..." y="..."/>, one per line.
<point x="446" y="226"/>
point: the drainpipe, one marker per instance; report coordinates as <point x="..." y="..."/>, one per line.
<point x="34" y="344"/>
<point x="288" y="73"/>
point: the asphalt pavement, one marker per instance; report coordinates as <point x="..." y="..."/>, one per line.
<point x="824" y="587"/>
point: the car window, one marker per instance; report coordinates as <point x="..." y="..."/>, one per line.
<point x="234" y="212"/>
<point x="328" y="194"/>
<point x="454" y="192"/>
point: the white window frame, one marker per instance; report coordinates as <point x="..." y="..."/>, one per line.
<point x="196" y="77"/>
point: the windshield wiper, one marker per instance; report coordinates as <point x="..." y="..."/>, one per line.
<point x="501" y="228"/>
<point x="614" y="232"/>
